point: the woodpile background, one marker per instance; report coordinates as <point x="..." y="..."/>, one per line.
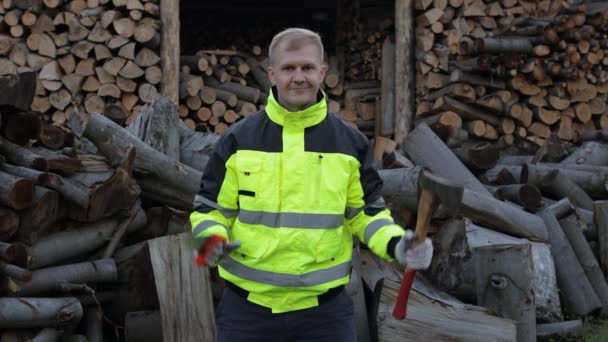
<point x="510" y="101"/>
<point x="512" y="70"/>
<point x="90" y="56"/>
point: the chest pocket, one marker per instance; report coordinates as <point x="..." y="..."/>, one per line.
<point x="250" y="176"/>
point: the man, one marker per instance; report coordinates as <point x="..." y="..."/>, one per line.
<point x="280" y="200"/>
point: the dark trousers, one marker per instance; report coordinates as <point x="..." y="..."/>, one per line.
<point x="238" y="319"/>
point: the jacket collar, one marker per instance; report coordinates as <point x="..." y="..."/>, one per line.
<point x="304" y="118"/>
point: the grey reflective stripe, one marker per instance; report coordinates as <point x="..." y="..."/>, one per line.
<point x="283" y="279"/>
<point x="291" y="220"/>
<point x="200" y="200"/>
<point x="349" y="213"/>
<point x="378" y="204"/>
<point x="374" y="226"/>
<point x="204" y="225"/>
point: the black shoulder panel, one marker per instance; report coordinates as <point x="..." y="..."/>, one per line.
<point x="258" y="133"/>
<point x="333" y="135"/>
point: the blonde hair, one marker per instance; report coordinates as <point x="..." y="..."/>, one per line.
<point x="295" y="38"/>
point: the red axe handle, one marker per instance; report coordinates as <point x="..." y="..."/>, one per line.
<point x="425" y="208"/>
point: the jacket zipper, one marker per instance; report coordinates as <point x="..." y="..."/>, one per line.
<point x="319" y="180"/>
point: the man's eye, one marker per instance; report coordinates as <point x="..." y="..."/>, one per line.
<point x="308" y="67"/>
<point x="288" y="68"/>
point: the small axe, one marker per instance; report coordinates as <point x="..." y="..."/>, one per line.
<point x="433" y="190"/>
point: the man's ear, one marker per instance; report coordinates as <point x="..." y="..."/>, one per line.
<point x="323" y="70"/>
<point x="271" y="75"/>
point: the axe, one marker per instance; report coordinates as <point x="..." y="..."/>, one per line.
<point x="433" y="191"/>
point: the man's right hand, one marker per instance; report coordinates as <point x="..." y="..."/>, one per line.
<point x="213" y="249"/>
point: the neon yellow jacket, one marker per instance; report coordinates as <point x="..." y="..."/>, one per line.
<point x="293" y="187"/>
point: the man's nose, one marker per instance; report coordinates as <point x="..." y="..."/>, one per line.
<point x="299" y="75"/>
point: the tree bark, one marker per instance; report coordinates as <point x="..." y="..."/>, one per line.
<point x="590" y="153"/>
<point x="188" y="313"/>
<point x="387" y="119"/>
<point x="404" y="70"/>
<point x="156" y="125"/>
<point x="37" y="312"/>
<point x="548" y="306"/>
<point x="18" y="90"/>
<point x="426" y="149"/>
<point x="601" y="222"/>
<point x="450" y="252"/>
<point x="526" y="195"/>
<point x="47" y="209"/>
<point x="578" y="294"/>
<point x="148" y="160"/>
<point x="565" y="329"/>
<point x="15" y="192"/>
<point x="169" y="49"/>
<point x="561" y="186"/>
<point x="22" y="156"/>
<point x="572" y="229"/>
<point x="47" y="279"/>
<point x="590" y="182"/>
<point x="504" y="284"/>
<point x="442" y="317"/>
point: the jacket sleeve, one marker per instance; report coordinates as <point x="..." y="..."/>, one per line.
<point x="216" y="203"/>
<point x="366" y="215"/>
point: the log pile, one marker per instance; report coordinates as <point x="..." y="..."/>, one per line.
<point x="219" y="87"/>
<point x="512" y="69"/>
<point x="75" y="224"/>
<point x="522" y="202"/>
<point x="90" y="56"/>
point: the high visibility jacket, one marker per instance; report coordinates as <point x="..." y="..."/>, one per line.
<point x="293" y="188"/>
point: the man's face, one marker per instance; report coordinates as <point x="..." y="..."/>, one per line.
<point x="298" y="75"/>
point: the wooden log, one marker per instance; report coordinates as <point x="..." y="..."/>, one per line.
<point x="20" y="127"/>
<point x="505" y="284"/>
<point x="94" y="324"/>
<point x="433" y="308"/>
<point x="9" y="223"/>
<point x="426" y="149"/>
<point x="46" y="335"/>
<point x="387" y="117"/>
<point x="246" y="93"/>
<point x="465" y="111"/>
<point x="478" y="156"/>
<point x="578" y="294"/>
<point x="599" y="135"/>
<point x="18" y="90"/>
<point x="47" y="279"/>
<point x="50" y="250"/>
<point x="502" y="217"/>
<point x="147" y="160"/>
<point x="190" y="307"/>
<point x="526" y="195"/>
<point x="157" y="127"/>
<point x="36" y="312"/>
<point x="169" y="50"/>
<point x="15" y="192"/>
<point x="572" y="229"/>
<point x="600" y="218"/>
<point x="548" y="306"/>
<point x="566" y="329"/>
<point x="14" y="253"/>
<point x="260" y="76"/>
<point x="451" y="250"/>
<point x="587" y="180"/>
<point x="47" y="208"/>
<point x="404" y="71"/>
<point x="589" y="153"/>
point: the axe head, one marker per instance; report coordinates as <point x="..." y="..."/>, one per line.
<point x="446" y="193"/>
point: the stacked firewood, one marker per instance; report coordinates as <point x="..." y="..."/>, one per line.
<point x="545" y="204"/>
<point x="512" y="69"/>
<point x="219" y="87"/>
<point x="88" y="54"/>
<point x="75" y="223"/>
